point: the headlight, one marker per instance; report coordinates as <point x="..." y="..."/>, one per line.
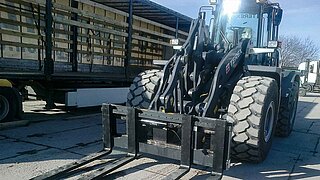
<point x="174" y="41"/>
<point x="273" y="44"/>
<point x="261" y="1"/>
<point x="213" y="2"/>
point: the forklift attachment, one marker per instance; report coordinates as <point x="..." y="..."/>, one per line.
<point x="217" y="157"/>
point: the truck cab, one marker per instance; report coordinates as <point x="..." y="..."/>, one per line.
<point x="310" y="76"/>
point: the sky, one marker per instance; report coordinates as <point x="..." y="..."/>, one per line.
<point x="301" y="17"/>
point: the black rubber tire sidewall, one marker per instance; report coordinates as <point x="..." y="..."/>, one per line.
<point x="9" y="94"/>
<point x="247" y="110"/>
<point x="265" y="147"/>
<point x="286" y="121"/>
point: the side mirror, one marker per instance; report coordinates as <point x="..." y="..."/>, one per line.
<point x="278" y="17"/>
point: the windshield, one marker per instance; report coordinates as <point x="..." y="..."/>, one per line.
<point x="240" y="26"/>
<point x="234" y="22"/>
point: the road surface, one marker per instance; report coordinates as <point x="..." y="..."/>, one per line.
<point x="26" y="152"/>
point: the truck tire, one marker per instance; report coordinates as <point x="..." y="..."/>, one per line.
<point x="287" y="113"/>
<point x="309" y="88"/>
<point x="253" y="110"/>
<point x="8" y="106"/>
<point x="143" y="89"/>
<point x="302" y="92"/>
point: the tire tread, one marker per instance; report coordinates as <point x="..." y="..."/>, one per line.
<point x="245" y="112"/>
<point x="143" y="89"/>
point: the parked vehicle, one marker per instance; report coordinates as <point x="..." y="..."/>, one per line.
<point x="310" y="78"/>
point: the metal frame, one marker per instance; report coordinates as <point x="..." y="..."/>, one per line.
<point x="48" y="62"/>
<point x="74" y="37"/>
<point x="186" y="153"/>
<point x="200" y="78"/>
<point x="129" y="38"/>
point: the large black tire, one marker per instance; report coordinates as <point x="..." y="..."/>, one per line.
<point x="143" y="89"/>
<point x="8" y="104"/>
<point x="287" y="112"/>
<point x="253" y="110"/>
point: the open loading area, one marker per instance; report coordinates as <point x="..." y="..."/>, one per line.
<point x="67" y="50"/>
<point x="85" y="38"/>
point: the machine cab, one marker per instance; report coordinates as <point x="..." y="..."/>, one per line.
<point x="258" y="21"/>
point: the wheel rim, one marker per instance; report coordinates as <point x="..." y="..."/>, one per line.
<point x="4" y="107"/>
<point x="302" y="92"/>
<point x="309" y="88"/>
<point x="268" y="122"/>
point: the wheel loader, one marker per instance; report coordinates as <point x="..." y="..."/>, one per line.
<point x="221" y="98"/>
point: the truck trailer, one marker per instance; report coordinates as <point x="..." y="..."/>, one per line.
<point x="79" y="52"/>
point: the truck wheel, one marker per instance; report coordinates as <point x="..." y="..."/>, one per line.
<point x="253" y="111"/>
<point x="287" y="113"/>
<point x="8" y="107"/>
<point x="309" y="88"/>
<point x="143" y="89"/>
<point x="302" y="92"/>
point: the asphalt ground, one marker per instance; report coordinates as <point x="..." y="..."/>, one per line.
<point x="55" y="138"/>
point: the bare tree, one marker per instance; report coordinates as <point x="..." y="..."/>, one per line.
<point x="296" y="50"/>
